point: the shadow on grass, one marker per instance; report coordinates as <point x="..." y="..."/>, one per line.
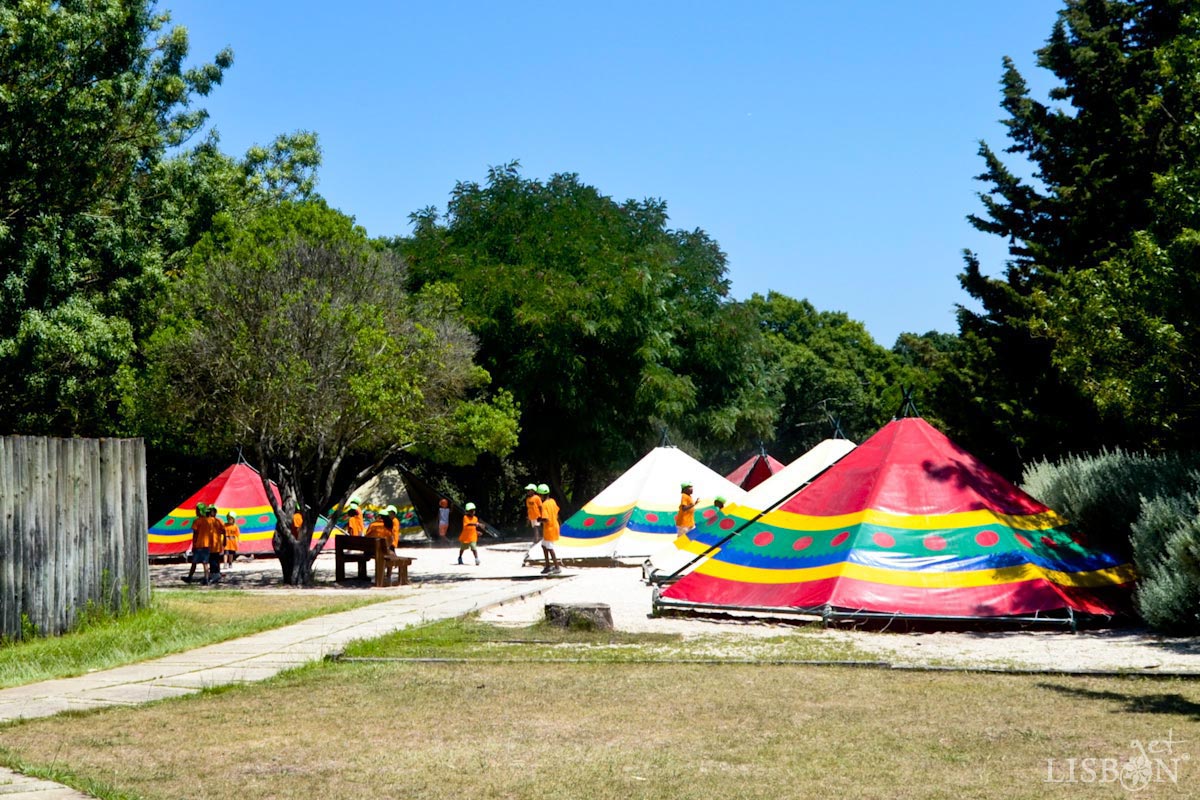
<point x="1174" y="704"/>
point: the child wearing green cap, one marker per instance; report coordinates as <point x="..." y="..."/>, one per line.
<point x="685" y="518"/>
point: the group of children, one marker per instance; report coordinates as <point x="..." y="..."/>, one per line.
<point x="213" y="541"/>
<point x="542" y="510"/>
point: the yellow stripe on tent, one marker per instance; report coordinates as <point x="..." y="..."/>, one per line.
<point x="927" y="580"/>
<point x="965" y="519"/>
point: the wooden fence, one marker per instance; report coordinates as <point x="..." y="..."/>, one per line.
<point x="72" y="530"/>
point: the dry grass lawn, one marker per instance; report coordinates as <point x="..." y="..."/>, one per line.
<point x="619" y="731"/>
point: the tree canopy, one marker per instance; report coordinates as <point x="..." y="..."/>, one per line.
<point x="1088" y="324"/>
<point x="91" y="97"/>
<point x="293" y="338"/>
<point x="605" y="325"/>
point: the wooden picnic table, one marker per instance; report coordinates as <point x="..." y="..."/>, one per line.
<point x="360" y="550"/>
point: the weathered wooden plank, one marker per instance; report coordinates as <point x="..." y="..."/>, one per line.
<point x="72" y="529"/>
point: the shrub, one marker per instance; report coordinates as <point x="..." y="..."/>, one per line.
<point x="1102" y="494"/>
<point x="1166" y="547"/>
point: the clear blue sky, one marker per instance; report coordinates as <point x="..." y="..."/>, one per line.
<point x="830" y="147"/>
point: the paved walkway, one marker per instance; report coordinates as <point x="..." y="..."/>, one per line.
<point x="441" y="590"/>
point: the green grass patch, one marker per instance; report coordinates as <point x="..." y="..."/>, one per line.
<point x="176" y="620"/>
<point x="470" y="639"/>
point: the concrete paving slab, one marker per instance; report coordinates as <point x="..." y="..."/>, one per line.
<point x="218" y="676"/>
<point x="135" y="693"/>
<point x="15" y="786"/>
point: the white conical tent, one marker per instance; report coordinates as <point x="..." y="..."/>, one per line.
<point x="635" y="515"/>
<point x="775" y="489"/>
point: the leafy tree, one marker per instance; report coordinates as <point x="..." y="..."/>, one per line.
<point x="605" y="324"/>
<point x="292" y="337"/>
<point x="91" y="96"/>
<point x="1119" y="124"/>
<point x="833" y="370"/>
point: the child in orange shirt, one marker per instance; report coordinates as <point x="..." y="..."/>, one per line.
<point x="470" y="533"/>
<point x="354" y="520"/>
<point x="232" y="534"/>
<point x="533" y="509"/>
<point x="200" y="543"/>
<point x="550" y="530"/>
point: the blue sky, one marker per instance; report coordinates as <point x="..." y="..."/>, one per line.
<point x="830" y="147"/>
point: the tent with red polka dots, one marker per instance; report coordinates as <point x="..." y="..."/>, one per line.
<point x="634" y="516"/>
<point x="237" y="490"/>
<point x="908" y="524"/>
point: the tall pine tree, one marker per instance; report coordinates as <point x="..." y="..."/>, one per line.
<point x="1111" y="128"/>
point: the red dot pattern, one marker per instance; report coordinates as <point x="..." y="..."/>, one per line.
<point x="935" y="542"/>
<point x="652" y="518"/>
<point x="884" y="540"/>
<point x="589" y="522"/>
<point x="608" y="523"/>
<point x="802" y="543"/>
<point x="988" y="538"/>
<point x="726" y="524"/>
<point x="1023" y="540"/>
<point x="839" y="539"/>
<point x="763" y="538"/>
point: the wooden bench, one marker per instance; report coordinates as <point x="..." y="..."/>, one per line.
<point x="361" y="549"/>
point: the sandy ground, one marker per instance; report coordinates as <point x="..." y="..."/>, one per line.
<point x="629" y="598"/>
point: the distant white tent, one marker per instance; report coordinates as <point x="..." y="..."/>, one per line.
<point x="774" y="490"/>
<point x="635" y="515"/>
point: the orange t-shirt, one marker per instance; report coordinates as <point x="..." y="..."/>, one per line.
<point x="394" y="537"/>
<point x="354" y="524"/>
<point x="686" y="519"/>
<point x="550" y="513"/>
<point x="204" y="532"/>
<point x="232" y="534"/>
<point x="533" y="507"/>
<point x="470" y="529"/>
<point x="377" y="528"/>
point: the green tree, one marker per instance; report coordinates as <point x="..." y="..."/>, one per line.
<point x="833" y="370"/>
<point x="1121" y="118"/>
<point x="91" y="96"/>
<point x="605" y="324"/>
<point x="292" y="337"/>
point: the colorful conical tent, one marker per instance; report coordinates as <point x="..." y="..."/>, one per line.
<point x="635" y="515"/>
<point x="711" y="527"/>
<point x="389" y="488"/>
<point x="238" y="489"/>
<point x="754" y="471"/>
<point x="909" y="524"/>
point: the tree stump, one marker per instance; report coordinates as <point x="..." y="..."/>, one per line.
<point x="580" y="616"/>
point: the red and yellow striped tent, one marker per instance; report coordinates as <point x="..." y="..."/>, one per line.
<point x="239" y="489"/>
<point x="908" y="525"/>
